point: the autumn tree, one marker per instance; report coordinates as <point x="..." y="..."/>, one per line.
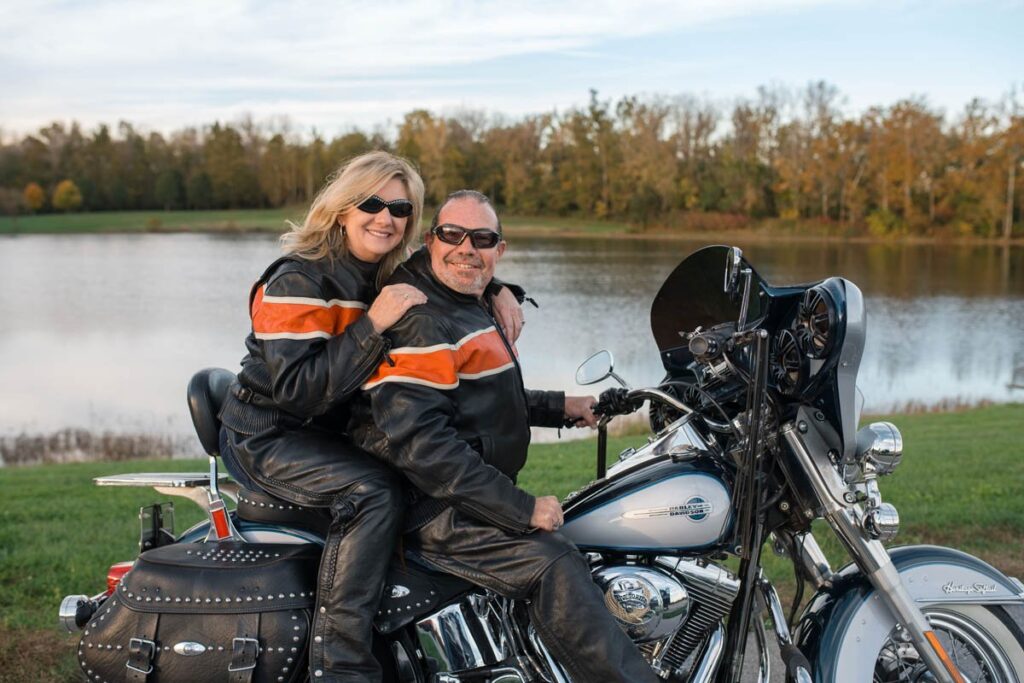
<point x="34" y="197"/>
<point x="66" y="196"/>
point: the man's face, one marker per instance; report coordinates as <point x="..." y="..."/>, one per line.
<point x="463" y="267"/>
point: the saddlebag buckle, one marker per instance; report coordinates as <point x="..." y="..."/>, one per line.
<point x="243" y="654"/>
<point x="139" y="656"/>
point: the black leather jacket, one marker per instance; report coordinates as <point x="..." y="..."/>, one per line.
<point x="447" y="407"/>
<point x="310" y="348"/>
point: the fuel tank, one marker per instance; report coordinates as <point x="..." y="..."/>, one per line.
<point x="665" y="505"/>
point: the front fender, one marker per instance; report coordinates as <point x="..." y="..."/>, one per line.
<point x="843" y="627"/>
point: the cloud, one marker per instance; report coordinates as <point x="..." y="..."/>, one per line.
<point x="107" y="60"/>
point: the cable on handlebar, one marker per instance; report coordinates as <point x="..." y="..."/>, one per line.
<point x="710" y="399"/>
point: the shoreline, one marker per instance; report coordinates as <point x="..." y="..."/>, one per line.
<point x="83" y="445"/>
<point x="273" y="221"/>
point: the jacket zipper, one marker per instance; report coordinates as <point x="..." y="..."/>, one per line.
<point x="515" y="361"/>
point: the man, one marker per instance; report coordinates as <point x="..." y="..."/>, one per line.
<point x="448" y="409"/>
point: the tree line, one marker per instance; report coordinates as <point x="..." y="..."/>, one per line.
<point x="681" y="161"/>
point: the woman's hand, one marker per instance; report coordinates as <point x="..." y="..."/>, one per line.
<point x="508" y="313"/>
<point x="392" y="303"/>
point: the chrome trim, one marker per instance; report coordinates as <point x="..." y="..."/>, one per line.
<point x="554" y="668"/>
<point x="771" y="598"/>
<point x="189" y="648"/>
<point x="446" y="636"/>
<point x="501" y="674"/>
<point x="659" y="395"/>
<point x="162" y="479"/>
<point x="676" y="438"/>
<point x="764" y="666"/>
<point x="68" y="611"/>
<point x="710" y="658"/>
<point x="827" y="483"/>
<point x="647" y="604"/>
<point x="882" y="523"/>
<point x="881" y="445"/>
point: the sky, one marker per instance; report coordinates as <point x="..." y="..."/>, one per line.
<point x="335" y="66"/>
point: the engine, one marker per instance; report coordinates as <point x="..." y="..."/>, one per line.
<point x="668" y="609"/>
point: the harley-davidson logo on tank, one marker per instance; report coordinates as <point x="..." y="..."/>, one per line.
<point x="690" y="510"/>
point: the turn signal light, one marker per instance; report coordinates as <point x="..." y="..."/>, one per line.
<point x="116" y="573"/>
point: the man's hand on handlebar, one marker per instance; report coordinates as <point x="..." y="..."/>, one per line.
<point x="616" y="401"/>
<point x="579" y="411"/>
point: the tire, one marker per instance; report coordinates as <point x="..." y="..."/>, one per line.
<point x="984" y="643"/>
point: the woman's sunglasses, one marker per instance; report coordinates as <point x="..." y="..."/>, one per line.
<point x="399" y="208"/>
<point x="482" y="238"/>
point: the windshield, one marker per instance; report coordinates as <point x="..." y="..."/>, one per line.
<point x="693" y="296"/>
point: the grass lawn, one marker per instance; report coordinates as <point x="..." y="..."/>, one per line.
<point x="273" y="221"/>
<point x="961" y="484"/>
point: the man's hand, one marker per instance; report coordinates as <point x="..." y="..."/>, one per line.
<point x="580" y="409"/>
<point x="508" y="314"/>
<point x="547" y="514"/>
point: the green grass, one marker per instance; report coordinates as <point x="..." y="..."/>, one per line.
<point x="961" y="483"/>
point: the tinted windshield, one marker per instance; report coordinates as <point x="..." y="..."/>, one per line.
<point x="693" y="296"/>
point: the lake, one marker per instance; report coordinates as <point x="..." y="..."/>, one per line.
<point x="102" y="332"/>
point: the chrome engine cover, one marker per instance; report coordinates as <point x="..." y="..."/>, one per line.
<point x="648" y="604"/>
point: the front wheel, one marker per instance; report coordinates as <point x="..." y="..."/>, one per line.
<point x="984" y="643"/>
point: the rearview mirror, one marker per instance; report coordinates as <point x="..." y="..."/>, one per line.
<point x="733" y="266"/>
<point x="596" y="368"/>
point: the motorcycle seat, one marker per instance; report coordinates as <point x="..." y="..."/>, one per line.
<point x="261" y="507"/>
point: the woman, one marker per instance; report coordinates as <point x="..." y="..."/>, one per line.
<point x="317" y="324"/>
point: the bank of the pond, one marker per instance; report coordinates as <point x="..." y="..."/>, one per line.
<point x="961" y="484"/>
<point x="274" y="221"/>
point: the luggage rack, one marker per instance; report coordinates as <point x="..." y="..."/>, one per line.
<point x="205" y="489"/>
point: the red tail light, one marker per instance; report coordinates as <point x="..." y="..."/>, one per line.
<point x="116" y="573"/>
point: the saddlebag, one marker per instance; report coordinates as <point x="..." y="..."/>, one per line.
<point x="196" y="612"/>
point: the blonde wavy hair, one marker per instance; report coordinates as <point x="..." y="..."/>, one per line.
<point x="320" y="235"/>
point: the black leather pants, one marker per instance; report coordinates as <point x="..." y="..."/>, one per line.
<point x="315" y="468"/>
<point x="566" y="607"/>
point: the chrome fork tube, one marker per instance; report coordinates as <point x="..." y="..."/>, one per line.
<point x="870" y="555"/>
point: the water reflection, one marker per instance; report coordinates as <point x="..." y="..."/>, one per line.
<point x="103" y="332"/>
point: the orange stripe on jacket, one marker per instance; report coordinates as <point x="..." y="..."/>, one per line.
<point x="280" y="317"/>
<point x="442" y="366"/>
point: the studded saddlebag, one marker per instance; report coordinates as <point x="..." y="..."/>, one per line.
<point x="196" y="612"/>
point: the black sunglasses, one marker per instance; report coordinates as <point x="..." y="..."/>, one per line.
<point x="482" y="238"/>
<point x="399" y="208"/>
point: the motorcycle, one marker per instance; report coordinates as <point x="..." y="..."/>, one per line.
<point x="755" y="436"/>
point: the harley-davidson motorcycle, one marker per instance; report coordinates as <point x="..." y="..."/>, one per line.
<point x="755" y="436"/>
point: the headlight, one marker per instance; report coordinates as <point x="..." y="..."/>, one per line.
<point x="881" y="445"/>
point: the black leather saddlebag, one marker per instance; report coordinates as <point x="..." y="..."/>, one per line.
<point x="195" y="612"/>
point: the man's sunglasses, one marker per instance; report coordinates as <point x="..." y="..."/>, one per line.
<point x="482" y="238"/>
<point x="399" y="208"/>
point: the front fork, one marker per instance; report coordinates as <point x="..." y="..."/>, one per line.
<point x="870" y="555"/>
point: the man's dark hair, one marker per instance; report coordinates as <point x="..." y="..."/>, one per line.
<point x="480" y="198"/>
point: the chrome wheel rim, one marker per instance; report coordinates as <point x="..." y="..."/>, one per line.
<point x="971" y="648"/>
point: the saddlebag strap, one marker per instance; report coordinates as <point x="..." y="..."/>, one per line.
<point x="142" y="649"/>
<point x="245" y="648"/>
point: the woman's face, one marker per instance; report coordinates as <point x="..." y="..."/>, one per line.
<point x="370" y="236"/>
